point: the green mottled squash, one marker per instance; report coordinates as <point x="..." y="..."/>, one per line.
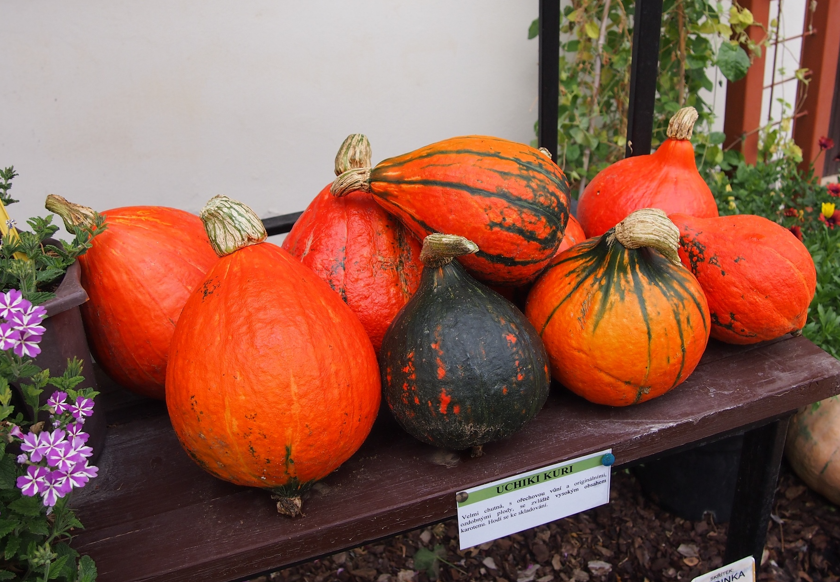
<point x="460" y="365"/>
<point x="813" y="447"/>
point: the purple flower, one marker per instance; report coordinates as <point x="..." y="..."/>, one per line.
<point x="33" y="445"/>
<point x="27" y="345"/>
<point x="79" y="447"/>
<point x="80" y="473"/>
<point x="56" y="485"/>
<point x="12" y="302"/>
<point x="33" y="481"/>
<point x="76" y="431"/>
<point x="29" y="321"/>
<point x="58" y="402"/>
<point x="51" y="441"/>
<point x="22" y="458"/>
<point x="64" y="456"/>
<point x="9" y="336"/>
<point x="16" y="432"/>
<point x="82" y="408"/>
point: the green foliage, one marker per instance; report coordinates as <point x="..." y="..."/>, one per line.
<point x="777" y="189"/>
<point x="38" y="273"/>
<point x="596" y="50"/>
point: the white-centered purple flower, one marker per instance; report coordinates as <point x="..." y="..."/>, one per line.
<point x="12" y="302"/>
<point x="64" y="456"/>
<point x="58" y="402"/>
<point x="9" y="336"/>
<point x="27" y="345"/>
<point x="51" y="442"/>
<point x="55" y="486"/>
<point x="79" y="447"/>
<point x="34" y="481"/>
<point x="80" y="474"/>
<point x="29" y="321"/>
<point x="33" y="445"/>
<point x="76" y="430"/>
<point x="82" y="408"/>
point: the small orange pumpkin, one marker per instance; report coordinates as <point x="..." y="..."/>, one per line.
<point x="365" y="254"/>
<point x="272" y="381"/>
<point x="621" y="321"/>
<point x="138" y="274"/>
<point x="666" y="179"/>
<point x="758" y="277"/>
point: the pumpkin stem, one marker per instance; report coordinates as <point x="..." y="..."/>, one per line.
<point x="351" y="181"/>
<point x="288" y="506"/>
<point x="439" y="249"/>
<point x="72" y="214"/>
<point x="648" y="227"/>
<point x="682" y="123"/>
<point x="476" y="451"/>
<point x="353" y="153"/>
<point x="231" y="225"/>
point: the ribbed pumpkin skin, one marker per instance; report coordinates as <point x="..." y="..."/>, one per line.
<point x="813" y="447"/>
<point x="620" y="326"/>
<point x="666" y="179"/>
<point x="272" y="381"/>
<point x="138" y="275"/>
<point x="758" y="278"/>
<point x="460" y="365"/>
<point x="365" y="254"/>
<point x="508" y="198"/>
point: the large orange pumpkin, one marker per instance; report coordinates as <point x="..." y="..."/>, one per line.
<point x="272" y="381"/>
<point x="621" y="321"/>
<point x="508" y="198"/>
<point x="666" y="179"/>
<point x="138" y="274"/>
<point x="759" y="278"/>
<point x="365" y="254"/>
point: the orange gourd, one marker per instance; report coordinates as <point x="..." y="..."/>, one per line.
<point x="138" y="274"/>
<point x="366" y="255"/>
<point x="758" y="277"/>
<point x="666" y="179"/>
<point x="272" y="381"/>
<point x="508" y="198"/>
<point x="574" y="235"/>
<point x="621" y="321"/>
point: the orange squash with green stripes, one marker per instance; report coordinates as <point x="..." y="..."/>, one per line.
<point x="623" y="321"/>
<point x="508" y="198"/>
<point x="460" y="365"/>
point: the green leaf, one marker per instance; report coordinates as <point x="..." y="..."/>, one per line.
<point x="87" y="570"/>
<point x="11" y="547"/>
<point x="6" y="575"/>
<point x="534" y="29"/>
<point x="7" y="526"/>
<point x="8" y="472"/>
<point x="717" y="137"/>
<point x="57" y="566"/>
<point x="29" y="506"/>
<point x="572" y="152"/>
<point x="427" y="560"/>
<point x="732" y="61"/>
<point x="592" y="30"/>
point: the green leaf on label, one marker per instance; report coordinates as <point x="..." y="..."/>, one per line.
<point x="732" y="61"/>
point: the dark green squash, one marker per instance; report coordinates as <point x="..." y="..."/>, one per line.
<point x="460" y="365"/>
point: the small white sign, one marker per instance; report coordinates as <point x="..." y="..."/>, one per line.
<point x="491" y="511"/>
<point x="741" y="571"/>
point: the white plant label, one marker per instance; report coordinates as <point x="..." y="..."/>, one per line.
<point x="492" y="511"/>
<point x="741" y="571"/>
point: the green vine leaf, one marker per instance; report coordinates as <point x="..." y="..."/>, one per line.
<point x="534" y="29"/>
<point x="733" y="61"/>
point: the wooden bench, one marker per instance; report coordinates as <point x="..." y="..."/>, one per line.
<point x="152" y="514"/>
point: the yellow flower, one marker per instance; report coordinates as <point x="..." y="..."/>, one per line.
<point x="728" y="188"/>
<point x="828" y="209"/>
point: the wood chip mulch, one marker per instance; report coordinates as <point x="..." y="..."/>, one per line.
<point x="628" y="540"/>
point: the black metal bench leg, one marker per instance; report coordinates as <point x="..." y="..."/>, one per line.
<point x="758" y="474"/>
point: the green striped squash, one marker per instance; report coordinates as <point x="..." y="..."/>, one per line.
<point x="508" y="198"/>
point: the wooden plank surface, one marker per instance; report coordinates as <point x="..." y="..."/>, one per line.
<point x="152" y="514"/>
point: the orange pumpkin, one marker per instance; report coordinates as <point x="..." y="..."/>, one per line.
<point x="621" y="321"/>
<point x="574" y="235"/>
<point x="138" y="274"/>
<point x="666" y="179"/>
<point x="758" y="277"/>
<point x="272" y="381"/>
<point x="508" y="198"/>
<point x="365" y="254"/>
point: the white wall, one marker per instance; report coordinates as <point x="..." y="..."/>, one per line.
<point x="170" y="102"/>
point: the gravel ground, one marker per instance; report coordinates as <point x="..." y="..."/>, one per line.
<point x="630" y="539"/>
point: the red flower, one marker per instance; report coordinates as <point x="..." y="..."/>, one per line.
<point x="833" y="221"/>
<point x="826" y="143"/>
<point x="797" y="232"/>
<point x="834" y="189"/>
<point x="791" y="212"/>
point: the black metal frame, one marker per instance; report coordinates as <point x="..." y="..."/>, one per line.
<point x="763" y="446"/>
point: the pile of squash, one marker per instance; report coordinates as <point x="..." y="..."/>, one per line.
<point x="273" y="361"/>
